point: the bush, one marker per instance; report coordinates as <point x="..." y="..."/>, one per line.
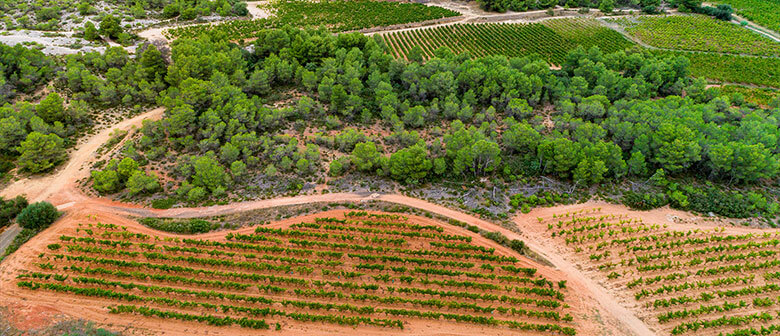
<point x="170" y="11"/>
<point x="517" y="245"/>
<point x="644" y="201"/>
<point x="38" y="216"/>
<point x="10" y="209"/>
<point x="163" y="203"/>
<point x="186" y="226"/>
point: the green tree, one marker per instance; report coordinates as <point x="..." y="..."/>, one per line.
<point x="12" y="133"/>
<point x="239" y="170"/>
<point x="479" y="158"/>
<point x="152" y="64"/>
<point x="410" y="164"/>
<point x="126" y="168"/>
<point x="9" y="209"/>
<point x="41" y="152"/>
<point x="110" y="27"/>
<point x="416" y="54"/>
<point x="415" y="116"/>
<point x="209" y="174"/>
<point x="520" y="137"/>
<point x="365" y="156"/>
<point x="607" y="6"/>
<point x="90" y="32"/>
<point x="519" y="109"/>
<point x="140" y="182"/>
<point x="38" y="216"/>
<point x="51" y="108"/>
<point x="239" y="9"/>
<point x="559" y="155"/>
<point x="742" y="162"/>
<point x="590" y="171"/>
<point x="676" y="146"/>
<point x="636" y="164"/>
<point x="106" y="181"/>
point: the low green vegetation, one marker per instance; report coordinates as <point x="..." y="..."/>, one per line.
<point x="37" y="216"/>
<point x="23" y="71"/>
<point x="540" y="199"/>
<point x="183" y="226"/>
<point x="9" y="209"/>
<point x="34" y="137"/>
<point x="335" y="15"/>
<point x="113" y="17"/>
<point x="33" y="219"/>
<point x="552" y="40"/>
<point x="698" y="33"/>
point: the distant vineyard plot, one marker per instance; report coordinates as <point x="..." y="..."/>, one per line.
<point x="357" y="270"/>
<point x="335" y="15"/>
<point x="698" y="33"/>
<point x="688" y="281"/>
<point x="763" y="12"/>
<point x="552" y="39"/>
<point x="732" y="68"/>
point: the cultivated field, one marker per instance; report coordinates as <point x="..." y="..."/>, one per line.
<point x="733" y="69"/>
<point x="551" y="39"/>
<point x="684" y="279"/>
<point x="337" y="16"/>
<point x="337" y="270"/>
<point x="763" y="12"/>
<point x="698" y="33"/>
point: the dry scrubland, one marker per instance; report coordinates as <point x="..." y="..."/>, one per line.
<point x="682" y="279"/>
<point x="320" y="273"/>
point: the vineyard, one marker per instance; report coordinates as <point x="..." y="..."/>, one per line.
<point x="763" y="12"/>
<point x="385" y="272"/>
<point x="733" y="69"/>
<point x="552" y="39"/>
<point x="335" y="15"/>
<point x="698" y="280"/>
<point x="698" y="33"/>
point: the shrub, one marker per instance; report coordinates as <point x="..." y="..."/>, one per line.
<point x="644" y="201"/>
<point x="38" y="216"/>
<point x="10" y="209"/>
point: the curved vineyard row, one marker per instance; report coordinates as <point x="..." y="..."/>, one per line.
<point x="552" y="39"/>
<point x="700" y="280"/>
<point x="361" y="269"/>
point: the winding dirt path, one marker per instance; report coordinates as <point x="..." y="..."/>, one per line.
<point x="38" y="188"/>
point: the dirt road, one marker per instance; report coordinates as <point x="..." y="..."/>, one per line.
<point x="38" y="188"/>
<point x="8" y="236"/>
